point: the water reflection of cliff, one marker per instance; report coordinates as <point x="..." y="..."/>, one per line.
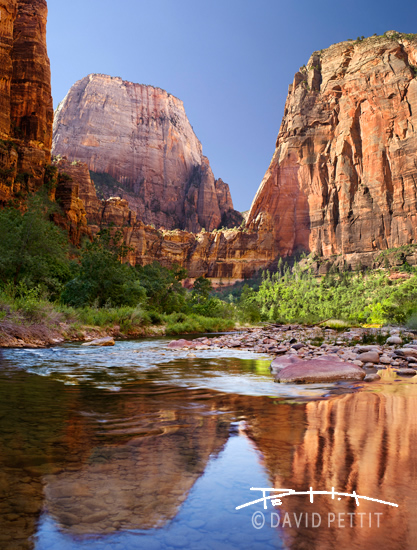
<point x="145" y="457"/>
<point x="100" y="464"/>
<point x="364" y="442"/>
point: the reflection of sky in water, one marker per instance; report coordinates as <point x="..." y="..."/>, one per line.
<point x="223" y="370"/>
<point x="163" y="462"/>
<point x="207" y="520"/>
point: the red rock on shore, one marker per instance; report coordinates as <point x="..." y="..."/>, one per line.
<point x="319" y="370"/>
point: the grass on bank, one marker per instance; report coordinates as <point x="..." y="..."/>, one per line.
<point x="29" y="308"/>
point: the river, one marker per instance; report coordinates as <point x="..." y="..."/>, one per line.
<point x="139" y="447"/>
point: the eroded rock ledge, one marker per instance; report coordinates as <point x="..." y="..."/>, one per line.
<point x="229" y="255"/>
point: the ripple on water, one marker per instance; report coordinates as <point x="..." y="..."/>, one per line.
<point x="223" y="370"/>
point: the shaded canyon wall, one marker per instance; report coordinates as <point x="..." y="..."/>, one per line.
<point x="228" y="255"/>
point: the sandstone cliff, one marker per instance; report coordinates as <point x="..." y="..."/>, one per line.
<point x="26" y="111"/>
<point x="343" y="178"/>
<point x="141" y="136"/>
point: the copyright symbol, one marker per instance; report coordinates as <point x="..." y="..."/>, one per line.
<point x="258" y="520"/>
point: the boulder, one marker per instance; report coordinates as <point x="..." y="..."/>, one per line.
<point x="372" y="377"/>
<point x="316" y="371"/>
<point x="281" y="362"/>
<point x="298" y="346"/>
<point x="406" y="352"/>
<point x="394" y="340"/>
<point x="364" y="349"/>
<point x="369" y="357"/>
<point x="406" y="372"/>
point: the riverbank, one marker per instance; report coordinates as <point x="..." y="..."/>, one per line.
<point x="277" y="341"/>
<point x="40" y="335"/>
<point x="372" y="349"/>
<point x="18" y="331"/>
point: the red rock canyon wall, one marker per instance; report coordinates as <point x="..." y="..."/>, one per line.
<point x="26" y="111"/>
<point x="343" y="178"/>
<point x="141" y="136"/>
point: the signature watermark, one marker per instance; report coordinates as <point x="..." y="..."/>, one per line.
<point x="276" y="498"/>
<point x="314" y="519"/>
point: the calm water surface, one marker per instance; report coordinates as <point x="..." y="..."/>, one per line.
<point x="139" y="447"/>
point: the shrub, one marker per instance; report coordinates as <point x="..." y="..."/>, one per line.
<point x="300" y="296"/>
<point x="197" y="323"/>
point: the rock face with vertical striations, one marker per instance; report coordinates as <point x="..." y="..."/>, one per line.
<point x="141" y="136"/>
<point x="343" y="178"/>
<point x="26" y="111"/>
<point x="8" y="10"/>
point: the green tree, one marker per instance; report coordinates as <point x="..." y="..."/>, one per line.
<point x="164" y="290"/>
<point x="33" y="250"/>
<point x="102" y="278"/>
<point x="201" y="289"/>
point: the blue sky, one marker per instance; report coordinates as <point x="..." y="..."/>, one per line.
<point x="230" y="61"/>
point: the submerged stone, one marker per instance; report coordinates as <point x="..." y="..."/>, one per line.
<point x="179" y="344"/>
<point x="109" y="341"/>
<point x="319" y="370"/>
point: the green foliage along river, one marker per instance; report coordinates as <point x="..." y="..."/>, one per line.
<point x="43" y="280"/>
